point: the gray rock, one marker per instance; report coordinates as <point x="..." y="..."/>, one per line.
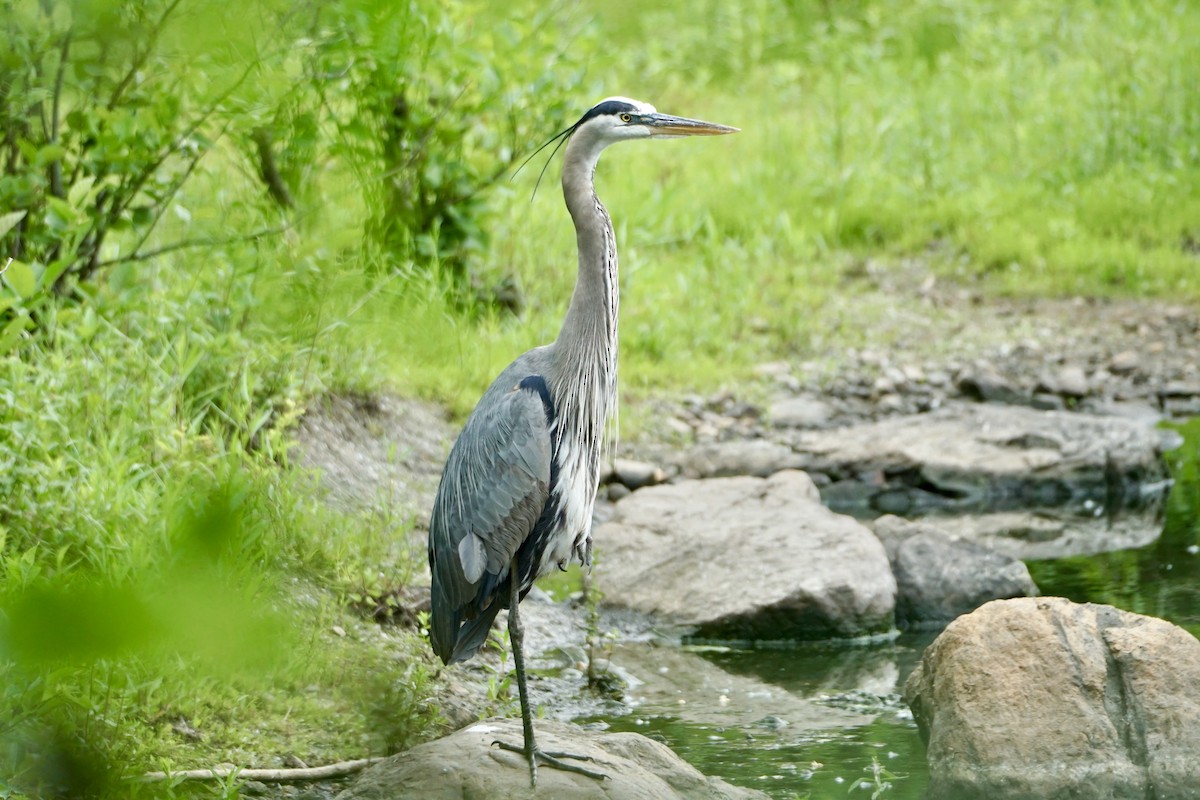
<point x="1039" y="698"/>
<point x="1180" y="389"/>
<point x="738" y="457"/>
<point x="1069" y="381"/>
<point x="467" y="765"/>
<point x="636" y="474"/>
<point x="986" y="385"/>
<point x="745" y="559"/>
<point x="799" y="412"/>
<point x="1125" y="362"/>
<point x="939" y="577"/>
<point x="969" y="457"/>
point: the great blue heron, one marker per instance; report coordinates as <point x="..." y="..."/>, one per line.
<point x="517" y="493"/>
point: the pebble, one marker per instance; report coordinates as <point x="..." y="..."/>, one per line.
<point x="636" y="474"/>
<point x="988" y="385"/>
<point x="799" y="412"/>
<point x="1124" y="363"/>
<point x="1071" y="381"/>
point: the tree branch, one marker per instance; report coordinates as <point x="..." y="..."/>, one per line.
<point x="203" y="241"/>
<point x="338" y="770"/>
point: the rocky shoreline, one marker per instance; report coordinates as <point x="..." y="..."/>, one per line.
<point x="782" y="518"/>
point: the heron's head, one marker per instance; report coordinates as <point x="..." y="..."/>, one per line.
<point x="616" y="119"/>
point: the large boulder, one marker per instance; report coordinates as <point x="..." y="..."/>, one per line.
<point x="745" y="559"/>
<point x="467" y="765"/>
<point x="1045" y="698"/>
<point x="939" y="577"/>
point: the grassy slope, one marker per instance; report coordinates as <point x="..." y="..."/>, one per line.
<point x="1035" y="147"/>
<point x="1032" y="146"/>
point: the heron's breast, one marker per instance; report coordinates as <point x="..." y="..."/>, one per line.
<point x="574" y="496"/>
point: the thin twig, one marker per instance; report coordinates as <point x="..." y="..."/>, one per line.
<point x="203" y="241"/>
<point x="338" y="770"/>
<point x="56" y="181"/>
<point x="139" y="59"/>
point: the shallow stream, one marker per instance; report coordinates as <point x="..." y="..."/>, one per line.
<point x="828" y="721"/>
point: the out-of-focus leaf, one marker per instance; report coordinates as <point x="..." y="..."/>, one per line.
<point x="80" y="190"/>
<point x="20" y="277"/>
<point x="77" y="623"/>
<point x="11" y="333"/>
<point x="9" y="221"/>
<point x="54" y="271"/>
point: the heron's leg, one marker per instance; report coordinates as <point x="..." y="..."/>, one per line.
<point x="516" y="634"/>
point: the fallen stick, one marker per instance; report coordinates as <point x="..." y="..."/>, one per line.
<point x="338" y="770"/>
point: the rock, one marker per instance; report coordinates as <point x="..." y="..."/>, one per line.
<point x="1070" y="381"/>
<point x="1140" y="412"/>
<point x="939" y="577"/>
<point x="740" y="457"/>
<point x="466" y="765"/>
<point x="969" y="457"/>
<point x="737" y="559"/>
<point x="1125" y="362"/>
<point x="1180" y="389"/>
<point x="617" y="491"/>
<point x="1039" y="698"/>
<point x="799" y="412"/>
<point x="986" y="385"/>
<point x="636" y="474"/>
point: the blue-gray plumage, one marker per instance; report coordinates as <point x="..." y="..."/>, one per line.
<point x="518" y="490"/>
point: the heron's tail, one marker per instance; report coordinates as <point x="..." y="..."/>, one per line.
<point x="454" y="640"/>
<point x="472" y="634"/>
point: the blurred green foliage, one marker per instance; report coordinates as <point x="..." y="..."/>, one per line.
<point x="168" y="591"/>
<point x="243" y="211"/>
<point x="430" y="128"/>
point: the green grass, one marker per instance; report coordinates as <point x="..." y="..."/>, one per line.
<point x="1031" y="148"/>
<point x="1028" y="148"/>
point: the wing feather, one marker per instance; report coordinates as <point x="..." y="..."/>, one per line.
<point x="494" y="488"/>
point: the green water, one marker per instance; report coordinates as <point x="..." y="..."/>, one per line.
<point x="850" y="724"/>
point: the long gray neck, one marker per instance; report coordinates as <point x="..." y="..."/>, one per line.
<point x="586" y="349"/>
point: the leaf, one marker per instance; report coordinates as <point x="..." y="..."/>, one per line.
<point x="49" y="153"/>
<point x="9" y="221"/>
<point x="11" y="332"/>
<point x="54" y="271"/>
<point x="77" y="193"/>
<point x="20" y="277"/>
<point x="60" y="215"/>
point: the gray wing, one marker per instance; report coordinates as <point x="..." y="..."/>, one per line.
<point x="492" y="492"/>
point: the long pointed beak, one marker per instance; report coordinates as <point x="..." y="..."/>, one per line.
<point x="666" y="125"/>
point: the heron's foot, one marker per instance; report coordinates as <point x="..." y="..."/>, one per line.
<point x="554" y="760"/>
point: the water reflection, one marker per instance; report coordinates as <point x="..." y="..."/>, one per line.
<point x="1046" y="534"/>
<point x="807" y="720"/>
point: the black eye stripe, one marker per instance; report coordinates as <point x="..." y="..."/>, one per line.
<point x="613" y="107"/>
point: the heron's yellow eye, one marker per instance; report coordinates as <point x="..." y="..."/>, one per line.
<point x="626" y="118"/>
